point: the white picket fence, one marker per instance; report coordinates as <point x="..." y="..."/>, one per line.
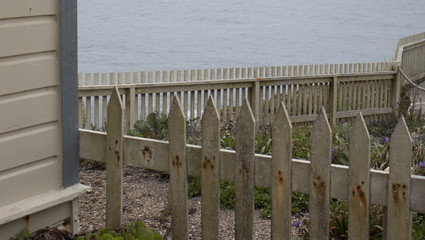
<point x="399" y="191"/>
<point x="342" y="89"/>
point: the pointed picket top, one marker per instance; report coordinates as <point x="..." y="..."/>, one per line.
<point x="281" y="174"/>
<point x="244" y="173"/>
<point x="398" y="211"/>
<point x="320" y="177"/>
<point x="246" y="114"/>
<point x="114" y="160"/>
<point x="178" y="170"/>
<point x="359" y="181"/>
<point x="115" y="103"/>
<point x="176" y="110"/>
<point x="400" y="139"/>
<point x="210" y="171"/>
<point x="210" y="114"/>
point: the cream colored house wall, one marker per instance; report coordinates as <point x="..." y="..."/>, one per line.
<point x="37" y="57"/>
<point x="30" y="139"/>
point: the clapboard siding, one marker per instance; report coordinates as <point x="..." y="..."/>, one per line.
<point x="28" y="35"/>
<point x="27" y="8"/>
<point x="29" y="180"/>
<point x="30" y="140"/>
<point x="36" y="143"/>
<point x="28" y="109"/>
<point x="28" y="72"/>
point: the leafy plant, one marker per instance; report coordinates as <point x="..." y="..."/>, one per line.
<point x="418" y="229"/>
<point x="300" y="202"/>
<point x="227" y="140"/>
<point x="338" y="222"/>
<point x="193" y="186"/>
<point x="155" y="126"/>
<point x="23" y="235"/>
<point x="134" y="231"/>
<point x="227" y="195"/>
<point x="263" y="144"/>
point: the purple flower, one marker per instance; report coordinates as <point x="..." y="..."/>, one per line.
<point x="387" y="140"/>
<point x="333" y="150"/>
<point x="422" y="164"/>
<point x="297" y="224"/>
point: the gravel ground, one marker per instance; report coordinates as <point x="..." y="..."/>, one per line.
<point x="146" y="198"/>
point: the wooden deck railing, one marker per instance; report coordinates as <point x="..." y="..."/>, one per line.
<point x="397" y="189"/>
<point x="342" y="89"/>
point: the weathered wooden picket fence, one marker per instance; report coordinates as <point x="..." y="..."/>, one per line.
<point x="399" y="191"/>
<point x="343" y="89"/>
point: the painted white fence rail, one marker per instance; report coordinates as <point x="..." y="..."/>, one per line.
<point x="342" y="89"/>
<point x="397" y="189"/>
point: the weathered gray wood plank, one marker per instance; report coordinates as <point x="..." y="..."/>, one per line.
<point x="398" y="215"/>
<point x="281" y="175"/>
<point x="210" y="171"/>
<point x="153" y="154"/>
<point x="320" y="172"/>
<point x="178" y="170"/>
<point x="244" y="174"/>
<point x="359" y="181"/>
<point x="114" y="161"/>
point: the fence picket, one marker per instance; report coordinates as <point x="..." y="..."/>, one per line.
<point x="178" y="170"/>
<point x="81" y="115"/>
<point x="320" y="177"/>
<point x="143" y="97"/>
<point x="398" y="215"/>
<point x="96" y="105"/>
<point x="157" y="96"/>
<point x="88" y="104"/>
<point x="165" y="94"/>
<point x="104" y="103"/>
<point x="114" y="161"/>
<point x="359" y="181"/>
<point x="150" y="98"/>
<point x="282" y="176"/>
<point x="210" y="171"/>
<point x="192" y="96"/>
<point x="244" y="174"/>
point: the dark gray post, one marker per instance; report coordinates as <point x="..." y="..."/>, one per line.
<point x="69" y="91"/>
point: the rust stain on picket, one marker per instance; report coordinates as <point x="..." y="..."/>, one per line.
<point x="279" y="178"/>
<point x="319" y="186"/>
<point x="396" y="189"/>
<point x="117" y="154"/>
<point x="176" y="161"/>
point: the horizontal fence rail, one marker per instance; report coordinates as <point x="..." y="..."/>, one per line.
<point x="397" y="189"/>
<point x="342" y="89"/>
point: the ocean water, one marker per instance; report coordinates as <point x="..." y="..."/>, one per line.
<point x="135" y="35"/>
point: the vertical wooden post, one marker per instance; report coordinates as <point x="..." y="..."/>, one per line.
<point x="398" y="212"/>
<point x="320" y="173"/>
<point x="254" y="99"/>
<point x="178" y="170"/>
<point x="359" y="181"/>
<point x="333" y="99"/>
<point x="114" y="161"/>
<point x="96" y="104"/>
<point x="281" y="175"/>
<point x="210" y="171"/>
<point x="396" y="91"/>
<point x="104" y="104"/>
<point x="244" y="174"/>
<point x="131" y="108"/>
<point x="80" y="103"/>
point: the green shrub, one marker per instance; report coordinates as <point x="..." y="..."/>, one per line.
<point x="134" y="231"/>
<point x="155" y="126"/>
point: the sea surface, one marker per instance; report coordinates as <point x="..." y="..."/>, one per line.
<point x="135" y="35"/>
